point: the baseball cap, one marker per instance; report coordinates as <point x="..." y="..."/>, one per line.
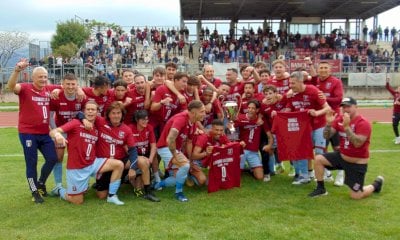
<point x="348" y="101"/>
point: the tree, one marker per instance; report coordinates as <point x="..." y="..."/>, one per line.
<point x="69" y="32"/>
<point x="9" y="43"/>
<point x="67" y="51"/>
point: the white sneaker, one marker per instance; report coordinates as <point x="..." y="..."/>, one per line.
<point x="267" y="178"/>
<point x="328" y="176"/>
<point x="339" y="181"/>
<point x="311" y="174"/>
<point x="114" y="199"/>
<point x="397" y="141"/>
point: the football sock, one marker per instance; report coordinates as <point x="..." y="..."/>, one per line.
<point x="320" y="184"/>
<point x="113" y="188"/>
<point x="63" y="194"/>
<point x="57" y="171"/>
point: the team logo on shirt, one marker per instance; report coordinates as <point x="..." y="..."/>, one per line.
<point x="305" y="98"/>
<point x="328" y="85"/>
<point x="121" y="134"/>
<point x="105" y="99"/>
<point x="77" y="106"/>
<point x="230" y="151"/>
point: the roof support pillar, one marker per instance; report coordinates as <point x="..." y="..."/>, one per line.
<point x="198" y="29"/>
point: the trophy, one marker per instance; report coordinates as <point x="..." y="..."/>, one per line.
<point x="231" y="109"/>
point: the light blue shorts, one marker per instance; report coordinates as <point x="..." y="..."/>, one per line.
<point x="78" y="179"/>
<point x="319" y="140"/>
<point x="252" y="158"/>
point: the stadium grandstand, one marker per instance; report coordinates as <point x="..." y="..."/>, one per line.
<point x="229" y="33"/>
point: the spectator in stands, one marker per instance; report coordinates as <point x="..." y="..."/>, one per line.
<point x="393" y="33"/>
<point x="386" y="32"/>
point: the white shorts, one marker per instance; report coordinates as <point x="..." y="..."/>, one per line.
<point x="78" y="179"/>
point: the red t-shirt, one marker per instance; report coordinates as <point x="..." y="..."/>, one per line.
<point x="249" y="131"/>
<point x="216" y="109"/>
<point x="257" y="96"/>
<point x="293" y="135"/>
<point x="166" y="111"/>
<point x="113" y="140"/>
<point x="396" y="98"/>
<point x="236" y="89"/>
<point x="333" y="91"/>
<point x="136" y="104"/>
<point x="360" y="126"/>
<point x="205" y="140"/>
<point x="224" y="165"/>
<point x="266" y="110"/>
<point x="306" y="100"/>
<point x="112" y="98"/>
<point x="100" y="100"/>
<point x="282" y="85"/>
<point x="81" y="144"/>
<point x="143" y="139"/>
<point x="65" y="109"/>
<point x="181" y="123"/>
<point x="34" y="109"/>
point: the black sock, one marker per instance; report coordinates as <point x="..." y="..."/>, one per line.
<point x="147" y="188"/>
<point x="110" y="195"/>
<point x="320" y="184"/>
<point x="375" y="184"/>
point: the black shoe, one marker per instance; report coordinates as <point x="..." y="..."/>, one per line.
<point x="151" y="197"/>
<point x="378" y="184"/>
<point x="36" y="197"/>
<point x="42" y="189"/>
<point x="318" y="192"/>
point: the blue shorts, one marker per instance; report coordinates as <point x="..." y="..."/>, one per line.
<point x="165" y="155"/>
<point x="252" y="158"/>
<point x="78" y="179"/>
<point x="319" y="140"/>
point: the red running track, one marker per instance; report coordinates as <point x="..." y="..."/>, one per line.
<point x="10" y="119"/>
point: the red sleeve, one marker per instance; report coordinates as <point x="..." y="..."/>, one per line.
<point x="158" y="95"/>
<point x="337" y="93"/>
<point x="201" y="141"/>
<point x="129" y="139"/>
<point x="152" y="137"/>
<point x="70" y="125"/>
<point x="390" y="89"/>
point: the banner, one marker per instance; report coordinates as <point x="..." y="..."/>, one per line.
<point x="336" y="65"/>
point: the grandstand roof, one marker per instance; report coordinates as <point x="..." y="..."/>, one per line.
<point x="277" y="9"/>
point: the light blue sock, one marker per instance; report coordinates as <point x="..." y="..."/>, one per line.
<point x="181" y="176"/>
<point x="63" y="193"/>
<point x="57" y="171"/>
<point x="271" y="163"/>
<point x="113" y="187"/>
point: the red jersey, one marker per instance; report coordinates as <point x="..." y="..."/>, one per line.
<point x="236" y="89"/>
<point x="224" y="165"/>
<point x="100" y="100"/>
<point x="81" y="144"/>
<point x="282" y="85"/>
<point x="113" y="140"/>
<point x="112" y="98"/>
<point x="166" y="111"/>
<point x="205" y="140"/>
<point x="185" y="128"/>
<point x="306" y="100"/>
<point x="359" y="125"/>
<point x="257" y="96"/>
<point x="215" y="109"/>
<point x="249" y="131"/>
<point x="396" y="98"/>
<point x="65" y="109"/>
<point x="293" y="135"/>
<point x="266" y="110"/>
<point x="136" y="104"/>
<point x="333" y="91"/>
<point x="34" y="109"/>
<point x="143" y="139"/>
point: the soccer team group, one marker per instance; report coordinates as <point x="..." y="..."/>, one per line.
<point x="121" y="134"/>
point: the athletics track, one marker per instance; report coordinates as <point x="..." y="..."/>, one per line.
<point x="10" y="119"/>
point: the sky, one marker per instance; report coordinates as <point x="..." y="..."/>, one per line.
<point x="39" y="17"/>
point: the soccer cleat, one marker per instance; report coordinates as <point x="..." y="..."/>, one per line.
<point x="42" y="189"/>
<point x="378" y="184"/>
<point x="339" y="180"/>
<point x="181" y="197"/>
<point x="292" y="172"/>
<point x="301" y="180"/>
<point x="55" y="191"/>
<point x="318" y="192"/>
<point x="114" y="199"/>
<point x="36" y="197"/>
<point x="138" y="192"/>
<point x="267" y="178"/>
<point x="151" y="197"/>
<point x="156" y="186"/>
<point x="397" y="140"/>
